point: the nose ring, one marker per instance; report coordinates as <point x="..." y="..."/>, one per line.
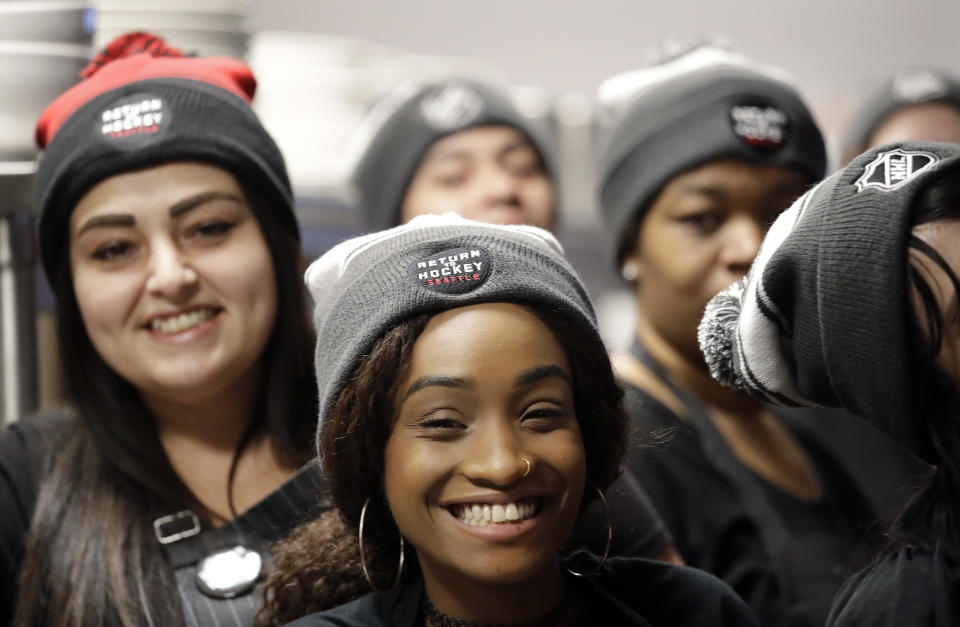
<point x="528" y="466"/>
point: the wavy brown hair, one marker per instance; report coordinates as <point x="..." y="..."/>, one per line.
<point x="318" y="566"/>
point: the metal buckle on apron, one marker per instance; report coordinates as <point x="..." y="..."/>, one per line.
<point x="174" y="527"/>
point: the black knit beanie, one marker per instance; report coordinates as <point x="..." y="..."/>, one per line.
<point x="822" y="317"/>
<point x="142" y="104"/>
<point x="706" y="105"/>
<point x="365" y="286"/>
<point x="410" y="120"/>
<point x="906" y="87"/>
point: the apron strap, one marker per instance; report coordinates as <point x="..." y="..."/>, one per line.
<point x="770" y="526"/>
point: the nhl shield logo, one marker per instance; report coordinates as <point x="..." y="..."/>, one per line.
<point x="893" y="169"/>
<point x="453" y="106"/>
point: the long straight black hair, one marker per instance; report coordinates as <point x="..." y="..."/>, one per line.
<point x="932" y="516"/>
<point x="91" y="557"/>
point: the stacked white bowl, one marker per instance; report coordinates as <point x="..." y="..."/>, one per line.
<point x="43" y="46"/>
<point x="314" y="90"/>
<point x="206" y="27"/>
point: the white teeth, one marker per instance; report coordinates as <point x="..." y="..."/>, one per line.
<point x="184" y="321"/>
<point x="484" y="514"/>
<point x="512" y="513"/>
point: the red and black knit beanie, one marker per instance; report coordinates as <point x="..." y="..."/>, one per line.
<point x="141" y="104"/>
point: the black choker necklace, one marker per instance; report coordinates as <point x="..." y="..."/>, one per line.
<point x="435" y="618"/>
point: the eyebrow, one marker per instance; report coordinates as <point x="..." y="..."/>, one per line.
<point x="183" y="206"/>
<point x="106" y="221"/>
<point x="465" y="153"/>
<point x="177" y="209"/>
<point x="436" y="381"/>
<point x="540" y="373"/>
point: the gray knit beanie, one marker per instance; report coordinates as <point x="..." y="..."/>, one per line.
<point x="906" y="87"/>
<point x="400" y="130"/>
<point x="706" y="105"/>
<point x="366" y="285"/>
<point x="821" y="317"/>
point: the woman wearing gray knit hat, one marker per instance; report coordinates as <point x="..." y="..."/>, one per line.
<point x="454" y="145"/>
<point x="852" y="303"/>
<point x="468" y="415"/>
<point x="702" y="152"/>
<point x="461" y="146"/>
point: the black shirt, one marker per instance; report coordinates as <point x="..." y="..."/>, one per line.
<point x="722" y="527"/>
<point x="24" y="447"/>
<point x="914" y="587"/>
<point x="629" y="591"/>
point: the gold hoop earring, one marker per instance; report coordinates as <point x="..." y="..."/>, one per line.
<point x="363" y="558"/>
<point x="606" y="549"/>
<point x="529" y="467"/>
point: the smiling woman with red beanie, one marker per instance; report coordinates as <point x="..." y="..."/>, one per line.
<point x="167" y="232"/>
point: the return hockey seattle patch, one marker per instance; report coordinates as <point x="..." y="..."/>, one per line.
<point x="892" y="169"/>
<point x="454" y="271"/>
<point x="133" y="121"/>
<point x="760" y="125"/>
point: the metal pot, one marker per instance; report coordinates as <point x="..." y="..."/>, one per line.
<point x="43" y="47"/>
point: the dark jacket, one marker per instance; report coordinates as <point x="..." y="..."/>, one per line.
<point x="628" y="591"/>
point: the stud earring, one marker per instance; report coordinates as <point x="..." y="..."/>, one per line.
<point x="629" y="271"/>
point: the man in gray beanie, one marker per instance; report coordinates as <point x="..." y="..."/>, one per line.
<point x="453" y="146"/>
<point x="701" y="153"/>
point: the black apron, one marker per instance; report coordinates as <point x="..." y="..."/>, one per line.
<point x="807" y="584"/>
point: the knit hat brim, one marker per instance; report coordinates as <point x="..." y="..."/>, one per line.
<point x="822" y="317"/>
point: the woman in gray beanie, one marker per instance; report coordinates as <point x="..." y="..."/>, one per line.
<point x="852" y="303"/>
<point x="702" y="152"/>
<point x="461" y="146"/>
<point x="468" y="415"/>
<point x="454" y="145"/>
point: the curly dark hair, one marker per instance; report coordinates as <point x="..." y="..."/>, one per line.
<point x="313" y="566"/>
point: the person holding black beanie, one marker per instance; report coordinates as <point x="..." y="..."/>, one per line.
<point x="852" y="302"/>
<point x="168" y="234"/>
<point x="701" y="153"/>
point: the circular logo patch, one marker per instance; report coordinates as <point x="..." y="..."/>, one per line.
<point x="454" y="271"/>
<point x="760" y="125"/>
<point x="133" y="121"/>
<point x="452" y="106"/>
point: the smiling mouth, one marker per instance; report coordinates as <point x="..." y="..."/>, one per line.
<point x="182" y="322"/>
<point x="483" y="514"/>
